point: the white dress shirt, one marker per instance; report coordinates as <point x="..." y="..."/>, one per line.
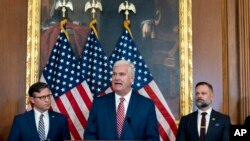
<point x="125" y="102"/>
<point x="207" y="119"/>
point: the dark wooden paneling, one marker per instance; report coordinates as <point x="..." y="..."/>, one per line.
<point x="12" y="61"/>
<point x="243" y="7"/>
<point x="215" y="52"/>
<point x="207" y="46"/>
<point x="233" y="64"/>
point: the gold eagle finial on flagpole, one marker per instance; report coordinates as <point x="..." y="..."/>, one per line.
<point x="93" y="6"/>
<point x="125" y="6"/>
<point x="64" y="5"/>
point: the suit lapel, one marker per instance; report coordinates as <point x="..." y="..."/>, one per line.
<point x="212" y="123"/>
<point x="131" y="105"/>
<point x="194" y="125"/>
<point x="111" y="106"/>
<point x="32" y="123"/>
<point x="52" y="124"/>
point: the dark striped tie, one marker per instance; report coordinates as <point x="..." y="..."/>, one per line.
<point x="203" y="126"/>
<point x="41" y="128"/>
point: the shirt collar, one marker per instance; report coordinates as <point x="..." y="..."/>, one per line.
<point x="126" y="97"/>
<point x="207" y="111"/>
<point x="37" y="113"/>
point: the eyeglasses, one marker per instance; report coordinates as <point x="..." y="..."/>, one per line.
<point x="44" y="97"/>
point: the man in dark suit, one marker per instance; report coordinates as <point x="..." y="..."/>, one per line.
<point x="123" y="114"/>
<point x="205" y="124"/>
<point x="247" y="121"/>
<point x="40" y="123"/>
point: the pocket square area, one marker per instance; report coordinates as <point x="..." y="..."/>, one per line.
<point x="216" y="124"/>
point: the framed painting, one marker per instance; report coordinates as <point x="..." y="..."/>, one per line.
<point x="162" y="30"/>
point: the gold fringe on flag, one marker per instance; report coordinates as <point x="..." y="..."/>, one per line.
<point x="63" y="24"/>
<point x="126" y="24"/>
<point x="92" y="26"/>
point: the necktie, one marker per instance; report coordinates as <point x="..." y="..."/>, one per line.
<point x="120" y="116"/>
<point x="41" y="128"/>
<point x="203" y="126"/>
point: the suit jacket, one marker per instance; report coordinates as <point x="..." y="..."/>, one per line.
<point x="24" y="127"/>
<point x="247" y="122"/>
<point x="140" y="121"/>
<point x="218" y="129"/>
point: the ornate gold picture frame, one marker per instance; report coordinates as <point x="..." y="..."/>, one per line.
<point x="185" y="50"/>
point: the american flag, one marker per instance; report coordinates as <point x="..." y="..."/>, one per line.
<point x="71" y="95"/>
<point x="96" y="67"/>
<point x="145" y="85"/>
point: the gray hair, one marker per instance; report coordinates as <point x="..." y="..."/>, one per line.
<point x="131" y="68"/>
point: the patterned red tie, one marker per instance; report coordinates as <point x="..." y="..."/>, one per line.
<point x="120" y="116"/>
<point x="203" y="127"/>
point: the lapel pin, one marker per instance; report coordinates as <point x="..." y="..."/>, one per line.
<point x="217" y="124"/>
<point x="213" y="119"/>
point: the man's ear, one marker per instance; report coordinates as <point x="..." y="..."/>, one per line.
<point x="212" y="96"/>
<point x="132" y="80"/>
<point x="32" y="100"/>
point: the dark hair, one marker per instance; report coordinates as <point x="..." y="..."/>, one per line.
<point x="37" y="87"/>
<point x="205" y="83"/>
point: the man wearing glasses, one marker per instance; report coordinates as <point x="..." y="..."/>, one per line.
<point x="40" y="123"/>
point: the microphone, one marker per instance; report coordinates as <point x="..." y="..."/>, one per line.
<point x="131" y="126"/>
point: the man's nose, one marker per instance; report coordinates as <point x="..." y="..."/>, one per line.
<point x="198" y="95"/>
<point x="116" y="77"/>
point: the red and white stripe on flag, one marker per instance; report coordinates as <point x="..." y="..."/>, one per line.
<point x="166" y="123"/>
<point x="75" y="104"/>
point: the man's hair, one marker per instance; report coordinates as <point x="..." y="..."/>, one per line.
<point x="131" y="67"/>
<point x="205" y="83"/>
<point x="37" y="87"/>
